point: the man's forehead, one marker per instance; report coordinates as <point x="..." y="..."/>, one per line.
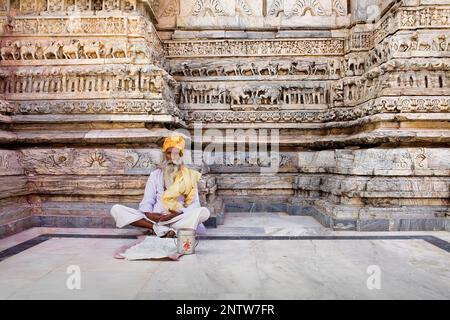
<point x="172" y="149"/>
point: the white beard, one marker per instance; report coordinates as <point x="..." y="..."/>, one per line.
<point x="170" y="169"/>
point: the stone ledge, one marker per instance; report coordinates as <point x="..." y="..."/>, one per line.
<point x="337" y="224"/>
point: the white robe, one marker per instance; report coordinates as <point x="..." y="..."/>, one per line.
<point x="192" y="217"/>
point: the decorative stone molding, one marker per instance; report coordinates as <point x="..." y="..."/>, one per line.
<point x="5" y="107"/>
<point x="102" y="26"/>
<point x="101" y="80"/>
<point x="309" y="68"/>
<point x="360" y="41"/>
<point x="30" y="49"/>
<point x="270" y="95"/>
<point x="93" y="107"/>
<point x="372" y="107"/>
<point x="234" y="48"/>
<point x="61" y="6"/>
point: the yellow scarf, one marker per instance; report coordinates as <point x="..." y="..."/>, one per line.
<point x="185" y="183"/>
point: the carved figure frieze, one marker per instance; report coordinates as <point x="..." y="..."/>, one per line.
<point x="92" y="79"/>
<point x="5" y="107"/>
<point x="271" y="95"/>
<point x="295" y="67"/>
<point x="73" y="49"/>
<point x="372" y="107"/>
<point x="58" y="6"/>
<point x="106" y="25"/>
<point x="254" y="47"/>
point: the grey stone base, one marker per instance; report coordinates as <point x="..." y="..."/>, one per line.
<point x="238" y="204"/>
<point x="402" y="224"/>
<point x="67" y="222"/>
<point x="17" y="226"/>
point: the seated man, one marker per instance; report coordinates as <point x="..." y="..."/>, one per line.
<point x="170" y="199"/>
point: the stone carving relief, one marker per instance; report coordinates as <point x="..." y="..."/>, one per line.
<point x="83" y="5"/>
<point x="211" y="8"/>
<point x="373" y="83"/>
<point x="58" y="159"/>
<point x="30" y="6"/>
<point x="141" y="161"/>
<point x="55" y="5"/>
<point x="217" y="8"/>
<point x="305" y="8"/>
<point x="411" y="159"/>
<point x="276" y="8"/>
<point x="155" y="4"/>
<point x="338" y="8"/>
<point x="372" y="73"/>
<point x="4" y="6"/>
<point x="421" y="42"/>
<point x="249" y="159"/>
<point x="115" y="25"/>
<point x="243" y="7"/>
<point x="385" y="160"/>
<point x="428" y="16"/>
<point x="4" y="161"/>
<point x="72" y="49"/>
<point x="80" y="59"/>
<point x="51" y="6"/>
<point x="411" y="19"/>
<point x="10" y="163"/>
<point x="312" y="7"/>
<point x="254" y="97"/>
<point x="91" y="79"/>
<point x="372" y="107"/>
<point x="366" y="10"/>
<point x="5" y="107"/>
<point x="295" y="67"/>
<point x="95" y="107"/>
<point x="254" y="48"/>
<point x="360" y="41"/>
<point x="84" y="161"/>
<point x="98" y="159"/>
<point x="168" y="9"/>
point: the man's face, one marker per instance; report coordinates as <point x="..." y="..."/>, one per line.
<point x="173" y="155"/>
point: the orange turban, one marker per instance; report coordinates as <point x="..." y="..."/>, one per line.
<point x="173" y="142"/>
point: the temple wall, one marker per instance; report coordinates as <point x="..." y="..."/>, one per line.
<point x="356" y="91"/>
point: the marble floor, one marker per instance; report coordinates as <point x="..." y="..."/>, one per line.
<point x="256" y="256"/>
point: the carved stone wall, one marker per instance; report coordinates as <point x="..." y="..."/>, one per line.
<point x="358" y="97"/>
<point x="88" y="103"/>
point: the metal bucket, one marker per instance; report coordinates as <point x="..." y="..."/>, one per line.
<point x="186" y="241"/>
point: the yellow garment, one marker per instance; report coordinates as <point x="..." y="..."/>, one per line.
<point x="173" y="142"/>
<point x="185" y="184"/>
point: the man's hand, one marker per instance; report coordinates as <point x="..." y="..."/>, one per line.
<point x="168" y="216"/>
<point x="153" y="216"/>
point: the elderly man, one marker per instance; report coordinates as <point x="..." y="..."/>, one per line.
<point x="170" y="199"/>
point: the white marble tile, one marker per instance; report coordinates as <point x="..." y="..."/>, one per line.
<point x="272" y="223"/>
<point x="94" y="285"/>
<point x="233" y="269"/>
<point x="20" y="237"/>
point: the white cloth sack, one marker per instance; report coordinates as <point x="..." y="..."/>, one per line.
<point x="152" y="248"/>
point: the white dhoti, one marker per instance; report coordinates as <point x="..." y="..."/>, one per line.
<point x="191" y="218"/>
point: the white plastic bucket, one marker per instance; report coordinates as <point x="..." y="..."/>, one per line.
<point x="186" y="241"/>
